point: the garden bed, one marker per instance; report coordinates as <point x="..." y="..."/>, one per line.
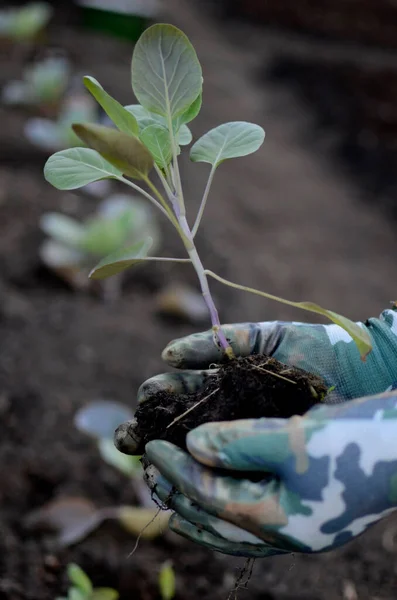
<point x="60" y="350"/>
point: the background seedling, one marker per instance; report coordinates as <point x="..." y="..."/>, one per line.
<point x="73" y="247"/>
<point x="51" y="135"/>
<point x="167" y="582"/>
<point x="167" y="81"/>
<point x="25" y="23"/>
<point x="81" y="587"/>
<point x="43" y="85"/>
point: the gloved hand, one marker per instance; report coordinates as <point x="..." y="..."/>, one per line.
<point x="325" y="477"/>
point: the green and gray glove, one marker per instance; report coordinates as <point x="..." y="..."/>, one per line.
<point x="326" y="476"/>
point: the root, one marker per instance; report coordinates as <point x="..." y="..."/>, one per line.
<point x="189" y="410"/>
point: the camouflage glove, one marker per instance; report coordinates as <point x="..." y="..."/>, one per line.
<point x="326" y="477"/>
<point x="325" y="350"/>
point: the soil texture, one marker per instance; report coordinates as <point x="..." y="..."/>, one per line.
<point x="244" y="388"/>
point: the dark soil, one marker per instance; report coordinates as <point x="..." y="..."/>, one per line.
<point x="295" y="228"/>
<point x="243" y="388"/>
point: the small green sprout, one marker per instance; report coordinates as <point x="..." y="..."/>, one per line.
<point x="43" y="84"/>
<point x="167" y="581"/>
<point x="81" y="587"/>
<point x="167" y="82"/>
<point x="24" y="23"/>
<point x="73" y="247"/>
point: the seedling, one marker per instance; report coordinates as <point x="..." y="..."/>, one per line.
<point x="167" y="81"/>
<point x="24" y="23"/>
<point x="42" y="86"/>
<point x="167" y="582"/>
<point x="81" y="587"/>
<point x="50" y="135"/>
<point x="73" y="246"/>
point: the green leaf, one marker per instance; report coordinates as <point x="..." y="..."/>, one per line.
<point x="79" y="578"/>
<point x="191" y="113"/>
<point x="166" y="73"/>
<point x="358" y="334"/>
<point x="121" y="260"/>
<point x="104" y="594"/>
<point x="157" y="140"/>
<point x="123" y="151"/>
<point x="76" y="594"/>
<point x="184" y="136"/>
<point x="145" y="118"/>
<point x="167" y="583"/>
<point x="229" y="140"/>
<point x="73" y="168"/>
<point x="63" y="229"/>
<point x="122" y="118"/>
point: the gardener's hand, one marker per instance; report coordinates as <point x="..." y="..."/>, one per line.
<point x="277" y="511"/>
<point x="325" y="478"/>
<point x="326" y="350"/>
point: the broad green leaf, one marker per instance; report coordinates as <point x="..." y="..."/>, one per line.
<point x="79" y="578"/>
<point x="74" y="168"/>
<point x="104" y="594"/>
<point x="191" y="113"/>
<point x="100" y="418"/>
<point x="122" y="118"/>
<point x="358" y="334"/>
<point x="123" y="151"/>
<point x="122" y="260"/>
<point x="157" y="140"/>
<point x="166" y="73"/>
<point x="229" y="140"/>
<point x="145" y="118"/>
<point x="63" y="229"/>
<point x="167" y="583"/>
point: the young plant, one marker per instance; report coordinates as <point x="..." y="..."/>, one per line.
<point x="81" y="587"/>
<point x="24" y="23"/>
<point x="42" y="86"/>
<point x="73" y="247"/>
<point x="167" y="82"/>
<point x="51" y="135"/>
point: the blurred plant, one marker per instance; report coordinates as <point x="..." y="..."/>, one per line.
<point x="81" y="587"/>
<point x="167" y="582"/>
<point x="25" y="23"/>
<point x="50" y="135"/>
<point x="74" y="246"/>
<point x="167" y="81"/>
<point x="74" y="518"/>
<point x="99" y="419"/>
<point x="43" y="85"/>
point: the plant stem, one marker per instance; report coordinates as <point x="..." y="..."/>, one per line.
<point x="203" y="201"/>
<point x="205" y="290"/>
<point x="163" y="180"/>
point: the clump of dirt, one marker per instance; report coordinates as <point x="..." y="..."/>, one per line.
<point x="243" y="388"/>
